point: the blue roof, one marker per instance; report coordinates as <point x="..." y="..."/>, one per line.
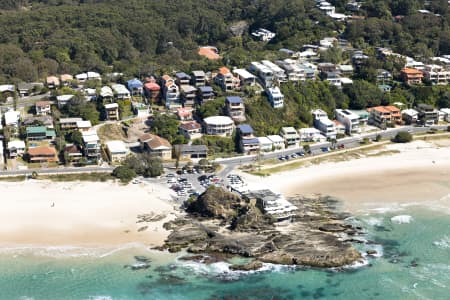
<point x="245" y="129"/>
<point x="234" y="99"/>
<point x="206" y="89"/>
<point x="250" y="141"/>
<point x="134" y="83"/>
<point x="182" y="75"/>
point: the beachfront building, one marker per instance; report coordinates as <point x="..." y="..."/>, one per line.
<point x="272" y="204"/>
<point x="246" y="78"/>
<point x="73" y="153"/>
<point x="219" y="125"/>
<point x="310" y="134"/>
<point x="190" y="130"/>
<point x="195" y="152"/>
<point x="325" y="125"/>
<point x="248" y="143"/>
<point x="277" y="141"/>
<point x="91" y="144"/>
<point x="39" y="133"/>
<point x="290" y="136"/>
<point x="410" y="116"/>
<point x="156" y="146"/>
<point x="381" y="116"/>
<point x="446" y="114"/>
<point x="276" y="98"/>
<point x="43" y="108"/>
<point x="42" y="154"/>
<point x="112" y="111"/>
<point x="117" y="151"/>
<point x="428" y="115"/>
<point x="235" y="108"/>
<point x="265" y="144"/>
<point x="349" y="120"/>
<point x="120" y="91"/>
<point x="15" y="148"/>
<point x="264" y="73"/>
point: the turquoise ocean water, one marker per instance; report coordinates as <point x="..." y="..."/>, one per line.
<point x="414" y="263"/>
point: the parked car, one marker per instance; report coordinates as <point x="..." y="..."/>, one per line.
<point x="325" y="149"/>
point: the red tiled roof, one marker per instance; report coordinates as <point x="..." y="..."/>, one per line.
<point x="190" y="125"/>
<point x="42" y="103"/>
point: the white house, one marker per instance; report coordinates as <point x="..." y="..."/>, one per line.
<point x="12" y="118"/>
<point x="279" y="73"/>
<point x="263" y="72"/>
<point x="265" y="144"/>
<point x="349" y="119"/>
<point x="117" y="150"/>
<point x="63" y="100"/>
<point x="310" y="134"/>
<point x="290" y="136"/>
<point x="263" y="34"/>
<point x="325" y="125"/>
<point x="277" y="141"/>
<point x="121" y="91"/>
<point x="446" y="112"/>
<point x="219" y="125"/>
<point x="245" y="77"/>
<point x="276" y="98"/>
<point x="16" y="148"/>
<point x="91" y="143"/>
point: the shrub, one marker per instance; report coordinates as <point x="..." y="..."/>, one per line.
<point x="403" y="137"/>
<point x="124" y="173"/>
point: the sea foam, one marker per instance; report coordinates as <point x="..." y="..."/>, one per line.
<point x="443" y="243"/>
<point x="401" y="219"/>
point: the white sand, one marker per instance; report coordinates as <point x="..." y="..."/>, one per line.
<point x="84" y="213"/>
<point x="419" y="174"/>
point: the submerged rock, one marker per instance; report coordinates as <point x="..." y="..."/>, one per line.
<point x="251" y="266"/>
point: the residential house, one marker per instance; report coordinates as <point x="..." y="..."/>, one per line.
<point x="135" y="86"/>
<point x="293" y="71"/>
<point x="112" y="111"/>
<point x="396" y="115"/>
<point x="349" y="119"/>
<point x="333" y="78"/>
<point x="90" y="94"/>
<point x="62" y="100"/>
<point x="446" y="113"/>
<point x="248" y="143"/>
<point x="84" y="125"/>
<point x="69" y="123"/>
<point x="346" y="70"/>
<point x="428" y="115"/>
<point x="83" y="77"/>
<point x="198" y="78"/>
<point x="52" y="82"/>
<point x="192" y="151"/>
<point x="326" y="67"/>
<point x="44" y="120"/>
<point x="277" y="141"/>
<point x="42" y="154"/>
<point x="219" y="125"/>
<point x="246" y="78"/>
<point x="43" y="108"/>
<point x="265" y="144"/>
<point x="310" y="135"/>
<point x="141" y="110"/>
<point x="66" y="79"/>
<point x="279" y="75"/>
<point x="264" y="73"/>
<point x="156" y="145"/>
<point x="106" y="93"/>
<point x="188" y="94"/>
<point x="290" y="136"/>
<point x="263" y="34"/>
<point x="383" y="76"/>
<point x="120" y="91"/>
<point x="381" y="116"/>
<point x="340" y="128"/>
<point x="117" y="151"/>
<point x="276" y="98"/>
<point x="73" y="153"/>
<point x="386" y="88"/>
<point x="235" y="108"/>
<point x="205" y="94"/>
<point x="325" y="125"/>
<point x="191" y="130"/>
<point x="38" y="133"/>
<point x="226" y="80"/>
<point x="25" y="89"/>
<point x="410" y="116"/>
<point x="436" y="74"/>
<point x="15" y="148"/>
<point x="91" y="144"/>
<point x="12" y="118"/>
<point x="182" y="78"/>
<point x="152" y="90"/>
<point x="411" y="76"/>
<point x="171" y="93"/>
<point x="184" y="113"/>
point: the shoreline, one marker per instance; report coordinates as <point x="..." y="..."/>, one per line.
<point x="85" y="214"/>
<point x="419" y="174"/>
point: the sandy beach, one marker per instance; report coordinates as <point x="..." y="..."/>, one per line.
<point x="82" y="213"/>
<point x="418" y="174"/>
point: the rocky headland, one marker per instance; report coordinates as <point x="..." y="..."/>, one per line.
<point x="221" y="224"/>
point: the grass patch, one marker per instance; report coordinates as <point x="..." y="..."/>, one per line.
<point x="95" y="177"/>
<point x="382" y="153"/>
<point x="110" y="132"/>
<point x="12" y="178"/>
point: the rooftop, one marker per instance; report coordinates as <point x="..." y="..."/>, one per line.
<point x="218" y="120"/>
<point x="233" y="99"/>
<point x="245" y="129"/>
<point x="116" y="147"/>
